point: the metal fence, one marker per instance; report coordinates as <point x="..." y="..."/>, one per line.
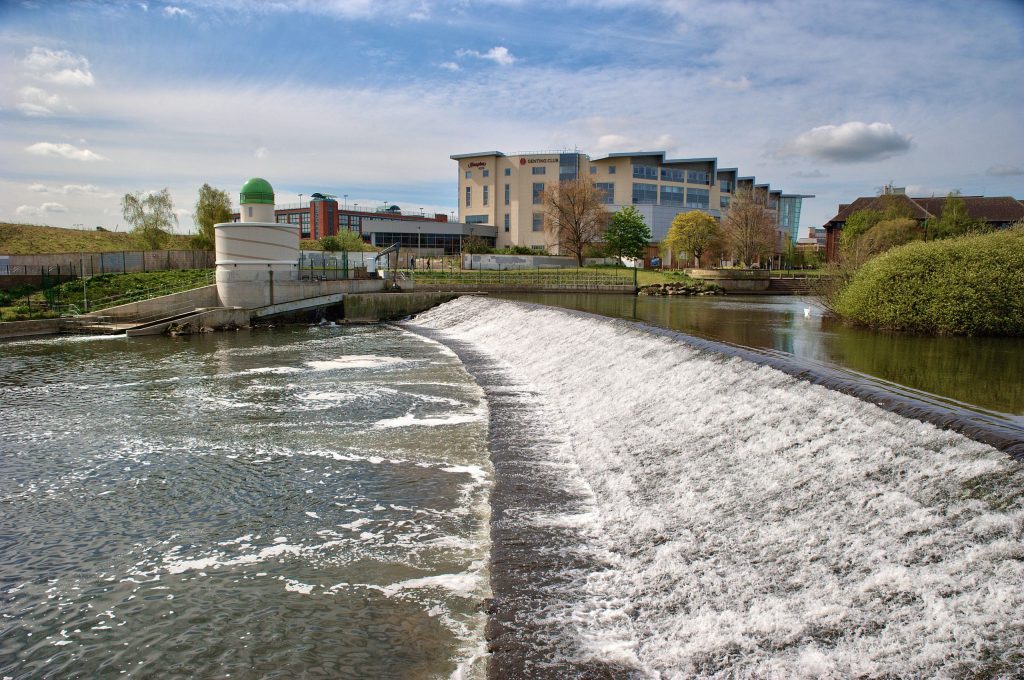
<point x="561" y="279"/>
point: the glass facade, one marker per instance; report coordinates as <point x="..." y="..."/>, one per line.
<point x="671" y="195"/>
<point x="645" y="172"/>
<point x="789" y="215"/>
<point x="672" y="174"/>
<point x="698" y="198"/>
<point x="477" y="219"/>
<point x="568" y="166"/>
<point x="450" y="243"/>
<point x="645" y="193"/>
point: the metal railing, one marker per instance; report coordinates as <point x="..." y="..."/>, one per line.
<point x="567" y="279"/>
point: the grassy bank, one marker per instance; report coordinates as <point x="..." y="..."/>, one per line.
<point x="33" y="239"/>
<point x="972" y="285"/>
<point x="102" y="291"/>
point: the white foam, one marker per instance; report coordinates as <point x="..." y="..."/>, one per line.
<point x="464" y="584"/>
<point x="355" y="361"/>
<point x="750" y="524"/>
<point x="410" y="420"/>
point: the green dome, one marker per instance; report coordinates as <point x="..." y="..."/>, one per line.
<point x="257" y="190"/>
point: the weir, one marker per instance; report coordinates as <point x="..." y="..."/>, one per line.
<point x="713" y="515"/>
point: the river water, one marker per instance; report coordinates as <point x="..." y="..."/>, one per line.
<point x="347" y="502"/>
<point x="296" y="502"/>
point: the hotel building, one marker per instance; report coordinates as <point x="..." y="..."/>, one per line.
<point x="503" y="190"/>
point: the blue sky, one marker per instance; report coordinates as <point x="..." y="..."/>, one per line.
<point x="369" y="99"/>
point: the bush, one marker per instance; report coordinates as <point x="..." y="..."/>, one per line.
<point x="973" y="285"/>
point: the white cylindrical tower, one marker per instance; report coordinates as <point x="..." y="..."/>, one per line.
<point x="255" y="253"/>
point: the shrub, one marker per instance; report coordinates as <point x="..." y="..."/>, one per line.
<point x="973" y="285"/>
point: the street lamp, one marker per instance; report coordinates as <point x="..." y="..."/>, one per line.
<point x="346" y="201"/>
<point x="419" y="232"/>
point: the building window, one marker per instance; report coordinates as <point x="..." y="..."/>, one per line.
<point x="611" y="169"/>
<point x="607" y="190"/>
<point x="671" y="195"/>
<point x="281" y="219"/>
<point x="487" y="173"/>
<point x="568" y="166"/>
<point x="672" y="174"/>
<point x="469" y="195"/>
<point x="725" y="185"/>
<point x="645" y="172"/>
<point x="508" y="194"/>
<point x="698" y="177"/>
<point x="249" y="209"/>
<point x="476" y="219"/>
<point x="645" y="193"/>
<point x="538" y="170"/>
<point x="538" y="189"/>
<point x="508" y="172"/>
<point x="723" y="202"/>
<point x="469" y="174"/>
<point x="593" y="169"/>
<point x="698" y="198"/>
<point x="538" y="221"/>
<point x="507" y="221"/>
<point x="487" y="195"/>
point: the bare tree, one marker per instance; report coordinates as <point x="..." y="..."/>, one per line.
<point x="749" y="228"/>
<point x="574" y="215"/>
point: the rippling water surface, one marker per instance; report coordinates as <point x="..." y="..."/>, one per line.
<point x="302" y="501"/>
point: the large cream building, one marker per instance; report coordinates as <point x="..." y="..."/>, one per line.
<point x="504" y="190"/>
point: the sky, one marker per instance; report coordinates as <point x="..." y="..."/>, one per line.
<point x="367" y="100"/>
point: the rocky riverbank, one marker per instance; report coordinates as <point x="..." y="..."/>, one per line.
<point x="682" y="288"/>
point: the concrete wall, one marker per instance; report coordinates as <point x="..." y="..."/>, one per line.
<point x="17" y="329"/>
<point x="212" y="318"/>
<point x="370" y="307"/>
<point x="734" y="280"/>
<point x="506" y="262"/>
<point x="262" y="289"/>
<point x="165" y="305"/>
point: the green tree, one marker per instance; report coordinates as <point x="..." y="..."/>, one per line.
<point x="212" y="207"/>
<point x="474" y="245"/>
<point x="857" y="224"/>
<point x="330" y="244"/>
<point x="694" y="232"/>
<point x="151" y="217"/>
<point x="627" y="234"/>
<point x="344" y="241"/>
<point x="954" y="220"/>
<point x="888" y="234"/>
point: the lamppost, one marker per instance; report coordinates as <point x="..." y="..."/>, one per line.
<point x="419" y="232"/>
<point x="346" y="201"/>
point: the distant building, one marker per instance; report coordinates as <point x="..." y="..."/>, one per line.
<point x="999" y="211"/>
<point x="504" y="190"/>
<point x="434" y="234"/>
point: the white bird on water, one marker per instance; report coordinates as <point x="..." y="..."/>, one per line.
<point x="807" y="312"/>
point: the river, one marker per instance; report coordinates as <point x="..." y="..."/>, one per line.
<point x="358" y="502"/>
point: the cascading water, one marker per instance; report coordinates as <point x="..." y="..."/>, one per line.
<point x="690" y="514"/>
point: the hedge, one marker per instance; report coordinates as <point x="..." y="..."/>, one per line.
<point x="973" y="285"/>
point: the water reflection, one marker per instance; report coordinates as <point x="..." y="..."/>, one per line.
<point x="983" y="372"/>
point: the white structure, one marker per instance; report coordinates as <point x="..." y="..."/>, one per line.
<point x="255" y="254"/>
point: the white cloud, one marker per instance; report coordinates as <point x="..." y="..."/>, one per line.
<point x="499" y="55"/>
<point x="741" y="84"/>
<point x="851" y="142"/>
<point x="261" y="153"/>
<point x="172" y="11"/>
<point x="36" y="102"/>
<point x="1005" y="171"/>
<point x="68" y="151"/>
<point x="451" y="66"/>
<point x="59" y="67"/>
<point x="71" y="190"/>
<point x="813" y="174"/>
<point x="30" y="210"/>
<point x="924" y="191"/>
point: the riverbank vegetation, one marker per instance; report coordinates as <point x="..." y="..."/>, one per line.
<point x="969" y="285"/>
<point x="104" y="290"/>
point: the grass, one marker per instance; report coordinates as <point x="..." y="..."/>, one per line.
<point x="34" y="239"/>
<point x="105" y="290"/>
<point x="973" y="285"/>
